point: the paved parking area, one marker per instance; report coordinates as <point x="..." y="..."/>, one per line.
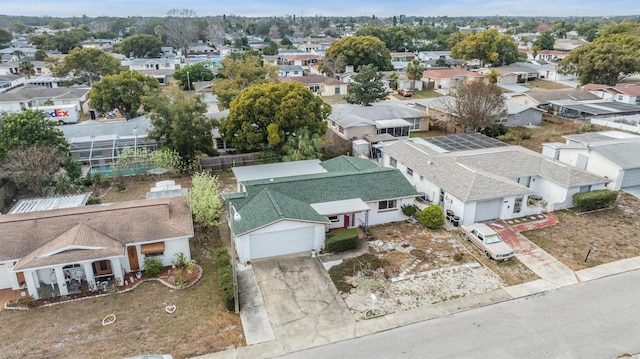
<point x="304" y="306"/>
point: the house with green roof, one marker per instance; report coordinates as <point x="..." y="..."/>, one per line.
<point x="288" y="207"/>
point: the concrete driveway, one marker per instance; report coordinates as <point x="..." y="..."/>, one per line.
<point x="304" y="306"/>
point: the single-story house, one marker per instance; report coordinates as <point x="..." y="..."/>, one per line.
<point x="482" y="179"/>
<point x="592" y="108"/>
<point x="512" y="74"/>
<point x="444" y="79"/>
<point x="288" y="207"/>
<point x="322" y="85"/>
<point x="11" y="81"/>
<point x="32" y="96"/>
<point x="13" y="67"/>
<point x="629" y="93"/>
<point x="58" y="251"/>
<point x="520" y="115"/>
<point x="542" y="98"/>
<point x="611" y="154"/>
<point x="290" y="71"/>
<point x="396" y="119"/>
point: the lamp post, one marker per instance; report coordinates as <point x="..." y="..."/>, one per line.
<point x="232" y="218"/>
<point x="188" y="82"/>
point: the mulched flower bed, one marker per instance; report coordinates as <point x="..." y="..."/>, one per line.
<point x="174" y="278"/>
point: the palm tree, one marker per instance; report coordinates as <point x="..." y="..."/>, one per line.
<point x="414" y="71"/>
<point x="493" y="76"/>
<point x="26" y="68"/>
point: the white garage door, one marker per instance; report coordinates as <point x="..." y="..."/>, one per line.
<point x="631" y="178"/>
<point x="5" y="272"/>
<point x="281" y="242"/>
<point x="488" y="210"/>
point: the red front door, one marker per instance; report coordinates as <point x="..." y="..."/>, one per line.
<point x="347" y="220"/>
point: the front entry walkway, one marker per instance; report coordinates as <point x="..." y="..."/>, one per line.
<point x="547" y="267"/>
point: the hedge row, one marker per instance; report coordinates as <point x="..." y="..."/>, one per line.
<point x="225" y="276"/>
<point x="342" y="240"/>
<point x="589" y="201"/>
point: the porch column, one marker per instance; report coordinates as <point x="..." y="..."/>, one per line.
<point x="31" y="283"/>
<point x="88" y="272"/>
<point x="62" y="282"/>
<point x="366" y="221"/>
<point x="118" y="273"/>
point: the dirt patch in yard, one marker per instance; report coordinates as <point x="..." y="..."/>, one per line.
<point x="201" y="324"/>
<point x="421" y="267"/>
<point x="614" y="232"/>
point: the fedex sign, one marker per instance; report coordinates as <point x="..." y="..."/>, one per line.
<point x="56" y="113"/>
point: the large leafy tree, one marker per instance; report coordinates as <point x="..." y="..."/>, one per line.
<point x="414" y="71"/>
<point x="181" y="28"/>
<point x="5" y="37"/>
<point x="395" y="38"/>
<point x="490" y="47"/>
<point x="361" y="50"/>
<point x="546" y="41"/>
<point x="266" y="115"/>
<point x="87" y="65"/>
<point x="240" y="71"/>
<point x="367" y="87"/>
<point x="179" y="121"/>
<point x="190" y="74"/>
<point x="29" y="128"/>
<point x="140" y="46"/>
<point x="476" y="104"/>
<point x="63" y="41"/>
<point x="123" y="91"/>
<point x="605" y="61"/>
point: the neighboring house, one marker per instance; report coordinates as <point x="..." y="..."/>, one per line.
<point x="48" y="80"/>
<point x="621" y="93"/>
<point x="163" y="63"/>
<point x="542" y="98"/>
<point x="32" y="96"/>
<point x="592" y="109"/>
<point x="392" y="119"/>
<point x="402" y="56"/>
<point x="482" y="179"/>
<point x="57" y="251"/>
<point x="288" y="207"/>
<point x="290" y="71"/>
<point x="611" y="154"/>
<point x="7" y="53"/>
<point x="568" y="45"/>
<point x="444" y="79"/>
<point x="520" y="115"/>
<point x="8" y="82"/>
<point x="203" y="88"/>
<point x="512" y="74"/>
<point x="300" y="59"/>
<point x="549" y="55"/>
<point x="13" y="67"/>
<point x="322" y="85"/>
<point x="98" y="143"/>
<point x="437" y="110"/>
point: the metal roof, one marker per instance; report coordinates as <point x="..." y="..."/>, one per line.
<point x="277" y="170"/>
<point x="337" y="207"/>
<point x="49" y="203"/>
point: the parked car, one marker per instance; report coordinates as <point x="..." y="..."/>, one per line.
<point x="405" y="92"/>
<point x="487" y="240"/>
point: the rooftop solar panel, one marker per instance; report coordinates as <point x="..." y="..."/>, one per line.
<point x="464" y="142"/>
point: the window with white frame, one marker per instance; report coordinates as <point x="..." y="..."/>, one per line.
<point x="409" y="171"/>
<point x="415" y="124"/>
<point x="421" y="178"/>
<point x="334" y="219"/>
<point x="393" y="162"/>
<point x="387" y="205"/>
<point x="341" y="129"/>
<point x="333" y="123"/>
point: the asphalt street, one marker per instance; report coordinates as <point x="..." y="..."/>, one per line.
<point x="597" y="319"/>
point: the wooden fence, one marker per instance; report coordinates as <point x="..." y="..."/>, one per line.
<point x="224" y="162"/>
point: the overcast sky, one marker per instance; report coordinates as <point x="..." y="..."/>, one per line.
<point x="562" y="8"/>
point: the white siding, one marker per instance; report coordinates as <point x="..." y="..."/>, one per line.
<point x="5" y="275"/>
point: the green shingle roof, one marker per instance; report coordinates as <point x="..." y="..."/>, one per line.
<point x="348" y="164"/>
<point x="270" y="200"/>
<point x="268" y="207"/>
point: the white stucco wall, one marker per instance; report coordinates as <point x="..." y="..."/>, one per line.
<point x="377" y="216"/>
<point x="596" y="164"/>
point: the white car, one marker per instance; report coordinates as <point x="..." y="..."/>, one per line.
<point x="487" y="240"/>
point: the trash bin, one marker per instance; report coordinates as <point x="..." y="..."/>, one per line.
<point x="455" y="221"/>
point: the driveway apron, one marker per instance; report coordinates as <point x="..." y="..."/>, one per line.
<point x="304" y="306"/>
